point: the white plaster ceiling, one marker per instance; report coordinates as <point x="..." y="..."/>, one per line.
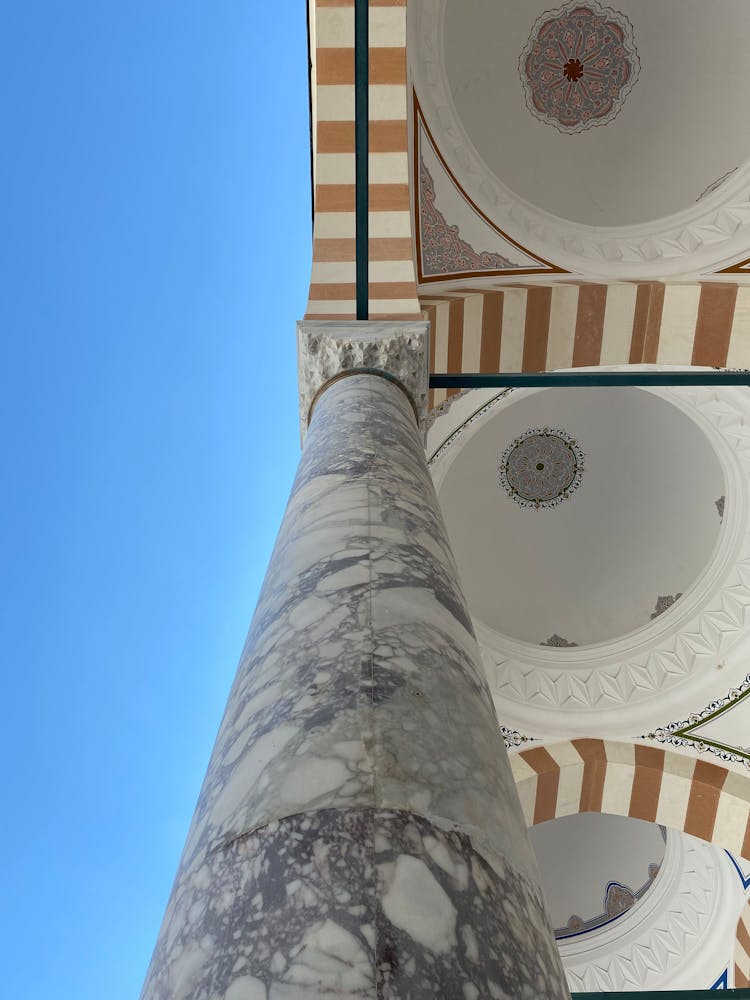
<point x="680" y="129"/>
<point x="642" y="524"/>
<point x="580" y="855"/>
<point x="678" y="935"/>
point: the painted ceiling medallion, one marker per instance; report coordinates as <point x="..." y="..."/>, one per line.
<point x="578" y="66"/>
<point x="541" y="468"/>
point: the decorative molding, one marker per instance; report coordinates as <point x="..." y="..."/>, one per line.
<point x="744" y="878"/>
<point x="541" y="468"/>
<point x="575" y="690"/>
<point x="699" y="239"/>
<point x="326" y="348"/>
<point x="684" y="733"/>
<point x="618" y="900"/>
<point x="671" y="934"/>
<point x="663" y="603"/>
<point x="558" y="641"/>
<point x="578" y="66"/>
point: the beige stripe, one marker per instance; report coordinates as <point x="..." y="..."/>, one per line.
<point x="441" y="345"/>
<point x="336" y="168"/>
<point x="571" y="778"/>
<point x="391" y="270"/>
<point x="739" y="343"/>
<point x="334" y="27"/>
<point x="514" y="320"/>
<point x="731" y="816"/>
<point x="472" y="342"/>
<point x="387" y="27"/>
<point x="335" y="225"/>
<point x="678" y="319"/>
<point x="327" y="306"/>
<point x="392" y="307"/>
<point x="387" y="101"/>
<point x="390" y="224"/>
<point x="562" y="326"/>
<point x="527" y="794"/>
<point x="520" y="767"/>
<point x="618" y="781"/>
<point x="675" y="792"/>
<point x="618" y="324"/>
<point x="335" y="103"/>
<point x="333" y="272"/>
<point x="389" y="168"/>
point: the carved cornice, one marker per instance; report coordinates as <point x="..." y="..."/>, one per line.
<point x="669" y="935"/>
<point x="703" y="238"/>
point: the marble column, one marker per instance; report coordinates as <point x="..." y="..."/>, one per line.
<point x="358" y="833"/>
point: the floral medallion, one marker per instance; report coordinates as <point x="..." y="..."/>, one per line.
<point x="541" y="468"/>
<point x="578" y="66"/>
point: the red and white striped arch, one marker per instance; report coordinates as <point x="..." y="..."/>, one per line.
<point x="742" y="950"/>
<point x="644" y="782"/>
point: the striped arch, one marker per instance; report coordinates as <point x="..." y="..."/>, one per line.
<point x="742" y="950"/>
<point x="576" y="324"/>
<point x="644" y="782"/>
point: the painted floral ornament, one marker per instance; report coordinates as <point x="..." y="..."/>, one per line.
<point x="541" y="468"/>
<point x="578" y="66"/>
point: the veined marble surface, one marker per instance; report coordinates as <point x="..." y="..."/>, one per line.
<point x="359" y="716"/>
<point x="354" y="903"/>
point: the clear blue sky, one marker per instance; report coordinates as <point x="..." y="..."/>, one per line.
<point x="155" y="256"/>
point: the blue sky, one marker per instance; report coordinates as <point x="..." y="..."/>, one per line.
<point x="155" y="257"/>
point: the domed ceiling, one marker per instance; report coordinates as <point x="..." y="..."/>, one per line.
<point x="606" y="116"/>
<point x="580" y="515"/>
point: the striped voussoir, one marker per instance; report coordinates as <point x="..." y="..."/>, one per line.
<point x="546" y="327"/>
<point x="629" y="779"/>
<point x="742" y="950"/>
<point x="392" y="281"/>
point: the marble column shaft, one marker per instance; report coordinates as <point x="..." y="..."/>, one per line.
<point x="358" y="833"/>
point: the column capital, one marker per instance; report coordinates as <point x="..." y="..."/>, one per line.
<point x="326" y="349"/>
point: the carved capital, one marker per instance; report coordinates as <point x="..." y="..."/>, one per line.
<point x="326" y="349"/>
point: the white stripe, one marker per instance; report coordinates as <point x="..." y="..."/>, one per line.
<point x="387" y="101"/>
<point x="472" y="341"/>
<point x="618" y="778"/>
<point x="335" y="225"/>
<point x="514" y="318"/>
<point x="527" y="794"/>
<point x="562" y="326"/>
<point x="391" y="270"/>
<point x="675" y="792"/>
<point x="334" y="28"/>
<point x="333" y="272"/>
<point x="739" y="341"/>
<point x="335" y="168"/>
<point x="335" y="102"/>
<point x="731" y="820"/>
<point x="389" y="224"/>
<point x="321" y="307"/>
<point x="678" y="319"/>
<point x="387" y="27"/>
<point x="571" y="777"/>
<point x="619" y="313"/>
<point x="391" y="306"/>
<point x="389" y="168"/>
